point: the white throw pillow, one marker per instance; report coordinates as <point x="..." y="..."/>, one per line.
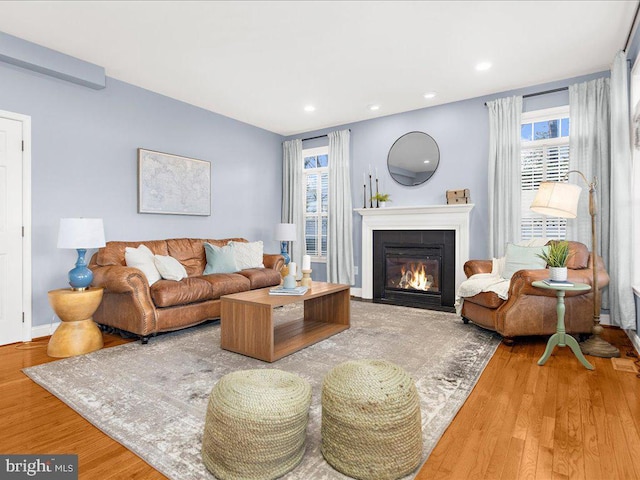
<point x="522" y="258"/>
<point x="497" y="266"/>
<point x="170" y="268"/>
<point x="142" y="259"/>
<point x="248" y="255"/>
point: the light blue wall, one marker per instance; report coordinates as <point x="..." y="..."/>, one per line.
<point x="84" y="164"/>
<point x="461" y="130"/>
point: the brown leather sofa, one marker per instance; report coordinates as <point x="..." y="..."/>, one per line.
<point x="530" y="310"/>
<point x="130" y="305"/>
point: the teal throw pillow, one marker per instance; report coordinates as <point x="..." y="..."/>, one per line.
<point x="220" y="259"/>
<point x="522" y="258"/>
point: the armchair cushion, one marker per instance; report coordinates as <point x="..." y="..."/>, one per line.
<point x="522" y="258"/>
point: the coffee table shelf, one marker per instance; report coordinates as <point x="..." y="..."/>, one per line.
<point x="247" y="327"/>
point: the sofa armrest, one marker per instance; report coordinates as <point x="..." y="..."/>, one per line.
<point x="521" y="281"/>
<point x="472" y="267"/>
<point x="274" y="261"/>
<point x="118" y="279"/>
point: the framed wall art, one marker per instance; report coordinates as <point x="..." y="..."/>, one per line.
<point x="173" y="185"/>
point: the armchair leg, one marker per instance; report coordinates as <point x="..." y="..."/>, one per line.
<point x="465" y="320"/>
<point x="508" y="341"/>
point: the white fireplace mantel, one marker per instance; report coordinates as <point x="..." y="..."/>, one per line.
<point x="428" y="217"/>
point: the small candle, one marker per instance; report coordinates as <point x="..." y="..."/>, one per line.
<point x="292" y="268"/>
<point x="306" y="262"/>
<point x="364" y="177"/>
<point x="376" y="172"/>
<point x="369" y="169"/>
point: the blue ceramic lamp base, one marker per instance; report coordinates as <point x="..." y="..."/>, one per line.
<point x="81" y="276"/>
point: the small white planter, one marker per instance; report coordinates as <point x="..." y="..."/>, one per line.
<point x="558" y="274"/>
<point x="382" y="204"/>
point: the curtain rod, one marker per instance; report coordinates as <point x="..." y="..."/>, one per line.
<point x="544" y="92"/>
<point x="319" y="136"/>
<point x="633" y="24"/>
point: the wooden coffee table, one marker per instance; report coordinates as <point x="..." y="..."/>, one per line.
<point x="246" y="320"/>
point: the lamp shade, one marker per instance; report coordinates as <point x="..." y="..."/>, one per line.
<point x="285" y="232"/>
<point x="557" y="199"/>
<point x="81" y="233"/>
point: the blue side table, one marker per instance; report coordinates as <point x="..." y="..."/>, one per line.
<point x="560" y="338"/>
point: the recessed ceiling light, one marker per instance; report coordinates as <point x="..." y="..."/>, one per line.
<point x="429" y="95"/>
<point x="427" y="161"/>
<point x="309" y="108"/>
<point x="482" y="66"/>
<point x="373" y="108"/>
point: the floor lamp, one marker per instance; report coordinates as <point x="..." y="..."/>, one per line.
<point x="560" y="199"/>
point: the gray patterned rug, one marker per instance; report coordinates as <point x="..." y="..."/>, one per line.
<point x="153" y="398"/>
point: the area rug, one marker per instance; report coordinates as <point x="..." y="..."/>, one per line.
<point x="153" y="398"/>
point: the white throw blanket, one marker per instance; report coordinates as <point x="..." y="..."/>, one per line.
<point x="481" y="282"/>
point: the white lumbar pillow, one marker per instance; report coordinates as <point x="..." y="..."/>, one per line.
<point x="142" y="259"/>
<point x="248" y="254"/>
<point x="169" y="268"/>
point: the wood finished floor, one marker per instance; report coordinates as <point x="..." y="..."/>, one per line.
<point x="558" y="421"/>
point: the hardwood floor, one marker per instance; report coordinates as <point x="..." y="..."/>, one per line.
<point x="558" y="421"/>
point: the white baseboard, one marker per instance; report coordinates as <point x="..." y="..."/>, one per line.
<point x="635" y="339"/>
<point x="44" y="330"/>
<point x="356" y="292"/>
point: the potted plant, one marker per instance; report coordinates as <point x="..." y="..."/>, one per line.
<point x="556" y="257"/>
<point x="382" y="199"/>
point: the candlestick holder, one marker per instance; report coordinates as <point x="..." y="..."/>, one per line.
<point x="306" y="278"/>
<point x="364" y="205"/>
<point x="371" y="190"/>
<point x="377" y="201"/>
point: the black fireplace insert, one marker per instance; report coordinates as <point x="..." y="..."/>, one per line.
<point x="415" y="268"/>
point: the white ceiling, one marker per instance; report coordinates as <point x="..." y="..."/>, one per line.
<point x="263" y="62"/>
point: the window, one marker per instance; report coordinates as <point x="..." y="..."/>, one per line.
<point x="316" y="201"/>
<point x="544" y="158"/>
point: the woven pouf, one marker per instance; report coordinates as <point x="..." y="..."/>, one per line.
<point x="256" y="424"/>
<point x="371" y="423"/>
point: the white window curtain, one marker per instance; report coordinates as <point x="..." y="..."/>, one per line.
<point x="293" y="194"/>
<point x="589" y="153"/>
<point x="339" y="229"/>
<point x="505" y="118"/>
<point x="621" y="303"/>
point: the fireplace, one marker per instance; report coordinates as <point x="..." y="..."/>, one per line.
<point x="415" y="268"/>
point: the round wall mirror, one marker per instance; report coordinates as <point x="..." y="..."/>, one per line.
<point x="413" y="158"/>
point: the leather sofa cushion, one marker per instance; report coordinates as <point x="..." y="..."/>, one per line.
<point x="579" y="256"/>
<point x="486" y="299"/>
<point x="190" y="252"/>
<point x="261" y="277"/>
<point x="169" y="293"/>
<point x="113" y="252"/>
<point x="227" y="283"/>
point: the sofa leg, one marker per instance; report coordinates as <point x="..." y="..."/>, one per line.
<point x="465" y="320"/>
<point x="508" y="341"/>
<point x="144" y="339"/>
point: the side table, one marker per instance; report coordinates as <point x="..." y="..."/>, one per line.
<point x="77" y="333"/>
<point x="560" y="338"/>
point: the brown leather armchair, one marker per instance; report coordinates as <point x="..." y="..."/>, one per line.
<point x="530" y="310"/>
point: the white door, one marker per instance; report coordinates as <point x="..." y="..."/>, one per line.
<point x="11" y="254"/>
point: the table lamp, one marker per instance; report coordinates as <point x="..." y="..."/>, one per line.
<point x="81" y="234"/>
<point x="560" y="199"/>
<point x="285" y="232"/>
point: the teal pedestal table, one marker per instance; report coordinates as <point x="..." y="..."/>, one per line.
<point x="560" y="338"/>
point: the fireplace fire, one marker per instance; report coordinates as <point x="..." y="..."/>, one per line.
<point x="414" y="268"/>
<point x="412" y="274"/>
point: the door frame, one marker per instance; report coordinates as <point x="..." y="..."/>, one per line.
<point x="26" y="220"/>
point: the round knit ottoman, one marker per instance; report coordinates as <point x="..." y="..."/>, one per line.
<point x="256" y="424"/>
<point x="371" y="423"/>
